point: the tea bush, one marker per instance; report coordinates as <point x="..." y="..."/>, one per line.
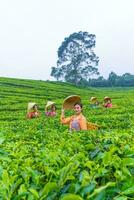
<point x="41" y="159"/>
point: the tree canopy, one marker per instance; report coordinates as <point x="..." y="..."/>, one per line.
<point x="76" y="58"/>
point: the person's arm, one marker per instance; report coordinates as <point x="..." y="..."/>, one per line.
<point x="104" y="105"/>
<point x="83" y="123"/>
<point x="37" y="114"/>
<point x="63" y="119"/>
<point x="29" y="115"/>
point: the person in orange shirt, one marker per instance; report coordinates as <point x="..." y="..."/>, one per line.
<point x="76" y="122"/>
<point x="32" y="111"/>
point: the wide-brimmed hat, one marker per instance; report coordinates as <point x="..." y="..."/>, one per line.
<point x="70" y="101"/>
<point x="49" y="104"/>
<point x="107" y="98"/>
<point x="31" y="105"/>
<point x="93" y="98"/>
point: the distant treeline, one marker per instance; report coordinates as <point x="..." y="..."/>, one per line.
<point x="113" y="80"/>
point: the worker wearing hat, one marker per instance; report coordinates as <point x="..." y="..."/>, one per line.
<point x="77" y="121"/>
<point x="94" y="103"/>
<point x="107" y="102"/>
<point x="50" y="109"/>
<point x="32" y="110"/>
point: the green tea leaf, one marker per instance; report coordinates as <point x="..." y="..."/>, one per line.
<point x="129" y="191"/>
<point x="71" y="197"/>
<point x="34" y="192"/>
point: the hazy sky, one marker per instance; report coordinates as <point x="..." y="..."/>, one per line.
<point x="32" y="30"/>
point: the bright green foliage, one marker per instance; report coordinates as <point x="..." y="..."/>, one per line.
<point x="40" y="159"/>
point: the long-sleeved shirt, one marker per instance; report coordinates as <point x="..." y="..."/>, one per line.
<point x="80" y="118"/>
<point x="50" y="113"/>
<point x="33" y="114"/>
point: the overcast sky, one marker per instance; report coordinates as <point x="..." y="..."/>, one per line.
<point x="32" y="30"/>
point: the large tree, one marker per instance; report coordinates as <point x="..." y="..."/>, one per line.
<point x="76" y="58"/>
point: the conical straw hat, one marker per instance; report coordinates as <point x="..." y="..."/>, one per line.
<point x="70" y="101"/>
<point x="107" y="98"/>
<point x="31" y="105"/>
<point x="93" y="98"/>
<point x="50" y="103"/>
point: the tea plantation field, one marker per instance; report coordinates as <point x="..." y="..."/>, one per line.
<point x="41" y="160"/>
